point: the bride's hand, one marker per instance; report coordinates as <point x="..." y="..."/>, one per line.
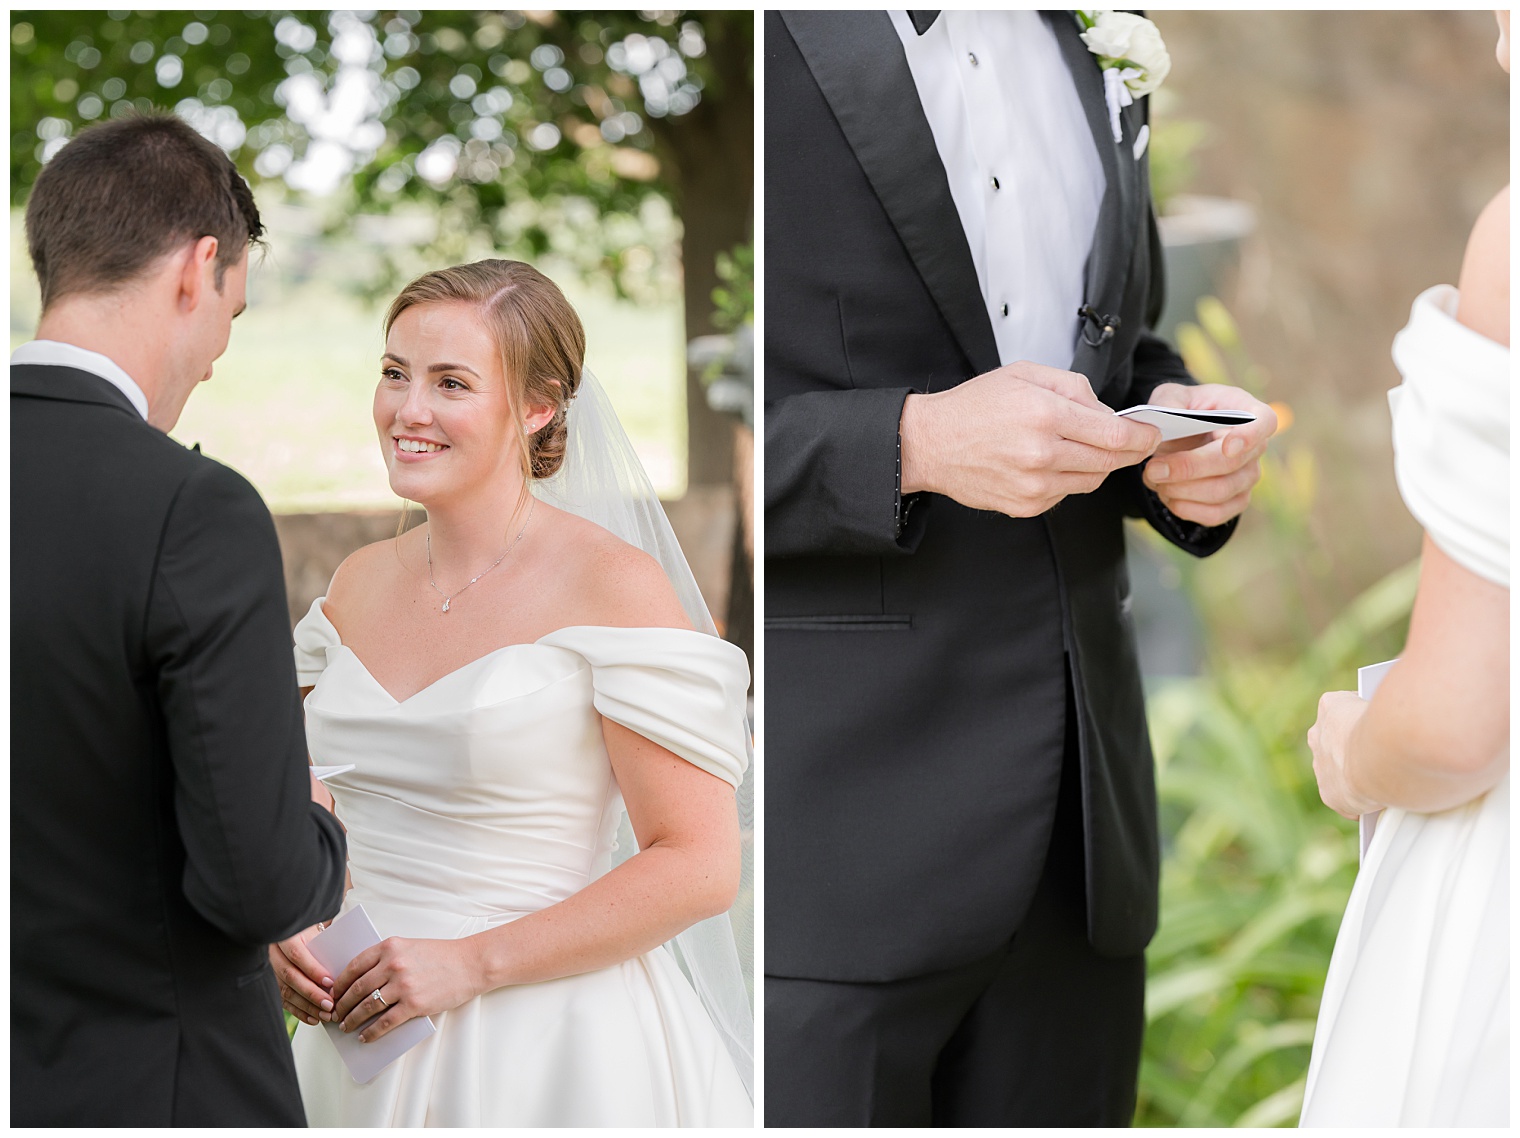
<point x="1339" y="713"/>
<point x="413" y="977"/>
<point x="305" y="986"/>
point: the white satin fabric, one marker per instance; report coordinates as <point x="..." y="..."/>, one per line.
<point x="1414" y="1024"/>
<point x="489" y="795"/>
<point x="1451" y="434"/>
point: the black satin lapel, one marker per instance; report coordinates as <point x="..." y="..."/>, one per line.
<point x="1118" y="218"/>
<point x="68" y="385"/>
<point x="859" y="65"/>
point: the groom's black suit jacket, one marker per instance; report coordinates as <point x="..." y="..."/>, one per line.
<point x="916" y="680"/>
<point x="162" y="829"/>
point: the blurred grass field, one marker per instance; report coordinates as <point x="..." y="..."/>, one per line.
<point x="288" y="405"/>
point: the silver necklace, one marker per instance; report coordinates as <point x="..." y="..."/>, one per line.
<point x="447" y="598"/>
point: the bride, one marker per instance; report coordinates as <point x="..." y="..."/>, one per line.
<point x="506" y="679"/>
<point x="1414" y="1025"/>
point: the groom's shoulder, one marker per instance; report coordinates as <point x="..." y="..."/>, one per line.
<point x="192" y="484"/>
<point x="198" y="495"/>
<point x="79" y="420"/>
<point x="130" y="484"/>
<point x="202" y="504"/>
<point x="181" y="469"/>
<point x="211" y="494"/>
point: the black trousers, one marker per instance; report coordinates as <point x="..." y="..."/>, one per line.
<point x="1043" y="1032"/>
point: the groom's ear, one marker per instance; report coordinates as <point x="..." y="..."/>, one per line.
<point x="197" y="270"/>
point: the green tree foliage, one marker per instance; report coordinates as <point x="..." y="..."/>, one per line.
<point x="734" y="299"/>
<point x="494" y="119"/>
<point x="523" y="132"/>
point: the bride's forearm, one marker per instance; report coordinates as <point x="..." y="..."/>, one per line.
<point x="636" y="907"/>
<point x="1436" y="733"/>
<point x="1397" y="756"/>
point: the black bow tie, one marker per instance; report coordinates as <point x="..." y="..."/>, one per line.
<point x="923" y="21"/>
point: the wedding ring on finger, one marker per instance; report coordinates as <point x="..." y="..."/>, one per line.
<point x="375" y="995"/>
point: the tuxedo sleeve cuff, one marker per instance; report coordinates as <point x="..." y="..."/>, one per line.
<point x="1199" y="540"/>
<point x="833" y="476"/>
<point x="902" y="505"/>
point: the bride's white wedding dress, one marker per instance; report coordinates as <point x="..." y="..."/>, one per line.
<point x="1414" y="1025"/>
<point x="489" y="795"/>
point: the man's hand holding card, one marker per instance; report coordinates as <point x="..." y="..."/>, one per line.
<point x="1207" y="478"/>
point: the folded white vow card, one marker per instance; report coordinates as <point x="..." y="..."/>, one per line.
<point x="1175" y="423"/>
<point x="1367" y="680"/>
<point x="343" y="940"/>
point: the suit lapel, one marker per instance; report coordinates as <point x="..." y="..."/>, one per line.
<point x="68" y="385"/>
<point x="859" y="65"/>
<point x="1119" y="215"/>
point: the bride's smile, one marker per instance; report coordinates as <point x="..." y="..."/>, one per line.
<point x="408" y="448"/>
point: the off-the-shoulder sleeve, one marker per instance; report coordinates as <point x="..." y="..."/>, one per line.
<point x="314" y="635"/>
<point x="1451" y="434"/>
<point x="683" y="690"/>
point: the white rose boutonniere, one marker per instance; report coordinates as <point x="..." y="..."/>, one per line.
<point x="1131" y="53"/>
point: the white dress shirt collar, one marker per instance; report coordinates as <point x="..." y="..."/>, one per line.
<point x="57" y="354"/>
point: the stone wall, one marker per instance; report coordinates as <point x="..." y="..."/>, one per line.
<point x="1367" y="142"/>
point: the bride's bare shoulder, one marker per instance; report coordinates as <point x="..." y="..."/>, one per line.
<point x="615" y="583"/>
<point x="366" y="572"/>
<point x="1484" y="285"/>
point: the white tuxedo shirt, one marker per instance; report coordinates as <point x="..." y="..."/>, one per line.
<point x="1023" y="169"/>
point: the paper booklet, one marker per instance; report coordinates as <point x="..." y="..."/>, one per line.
<point x="1367" y="681"/>
<point x="334" y="947"/>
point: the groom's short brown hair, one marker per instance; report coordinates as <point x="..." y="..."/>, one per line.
<point x="126" y="192"/>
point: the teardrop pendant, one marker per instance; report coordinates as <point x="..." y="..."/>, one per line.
<point x="446" y="601"/>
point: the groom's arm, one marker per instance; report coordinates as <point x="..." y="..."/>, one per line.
<point x="842" y="466"/>
<point x="833" y="475"/>
<point x="262" y="860"/>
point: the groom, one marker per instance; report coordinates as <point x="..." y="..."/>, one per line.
<point x="961" y="836"/>
<point x="164" y="829"/>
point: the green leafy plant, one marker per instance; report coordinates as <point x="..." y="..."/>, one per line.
<point x="1255" y="875"/>
<point x="734" y="299"/>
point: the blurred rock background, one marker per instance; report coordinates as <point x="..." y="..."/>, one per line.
<point x="1366" y="142"/>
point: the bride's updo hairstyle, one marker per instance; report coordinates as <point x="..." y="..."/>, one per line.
<point x="540" y="338"/>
